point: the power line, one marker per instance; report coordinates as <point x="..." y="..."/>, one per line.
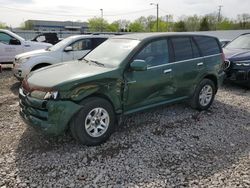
<point x="91" y="15"/>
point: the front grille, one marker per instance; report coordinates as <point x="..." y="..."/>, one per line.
<point x="241" y="75"/>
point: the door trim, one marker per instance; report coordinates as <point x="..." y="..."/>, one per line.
<point x="176" y="62"/>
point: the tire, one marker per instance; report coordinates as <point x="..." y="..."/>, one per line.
<point x="204" y="95"/>
<point x="94" y="123"/>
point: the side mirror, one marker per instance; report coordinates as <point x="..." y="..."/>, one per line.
<point x="68" y="49"/>
<point x="138" y="65"/>
<point x="14" y="41"/>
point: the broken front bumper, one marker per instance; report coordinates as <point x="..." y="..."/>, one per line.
<point x="50" y="116"/>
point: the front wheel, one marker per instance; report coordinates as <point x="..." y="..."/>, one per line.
<point x="204" y="95"/>
<point x="94" y="123"/>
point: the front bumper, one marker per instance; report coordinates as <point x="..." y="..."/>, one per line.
<point x="50" y="116"/>
<point x="239" y="76"/>
<point x="18" y="71"/>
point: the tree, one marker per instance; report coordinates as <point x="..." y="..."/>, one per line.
<point x="180" y="26"/>
<point x="136" y="27"/>
<point x="204" y="26"/>
<point x="192" y="23"/>
<point x="244" y="20"/>
<point x="113" y="27"/>
<point x="3" y="25"/>
<point x="97" y="24"/>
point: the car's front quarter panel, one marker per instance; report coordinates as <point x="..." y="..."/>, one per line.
<point x="108" y="88"/>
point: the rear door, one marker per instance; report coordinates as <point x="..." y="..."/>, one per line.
<point x="187" y="64"/>
<point x="211" y="51"/>
<point x="154" y="85"/>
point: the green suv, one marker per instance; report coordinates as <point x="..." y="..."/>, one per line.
<point x="125" y="74"/>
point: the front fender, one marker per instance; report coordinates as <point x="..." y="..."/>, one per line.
<point x="110" y="90"/>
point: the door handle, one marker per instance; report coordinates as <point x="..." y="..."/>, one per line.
<point x="167" y="71"/>
<point x="200" y="64"/>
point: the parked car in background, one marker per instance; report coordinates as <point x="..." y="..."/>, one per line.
<point x="123" y="75"/>
<point x="71" y="48"/>
<point x="47" y="37"/>
<point x="224" y="42"/>
<point x="11" y="44"/>
<point x="237" y="55"/>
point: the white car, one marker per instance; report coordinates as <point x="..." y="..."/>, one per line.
<point x="11" y="44"/>
<point x="71" y="48"/>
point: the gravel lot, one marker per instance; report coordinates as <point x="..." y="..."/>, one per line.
<point x="172" y="146"/>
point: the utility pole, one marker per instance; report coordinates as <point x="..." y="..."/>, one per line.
<point x="219" y="14"/>
<point x="157" y="15"/>
<point x="102" y="19"/>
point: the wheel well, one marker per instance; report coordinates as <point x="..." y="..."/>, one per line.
<point x="101" y="96"/>
<point x="40" y="65"/>
<point x="214" y="79"/>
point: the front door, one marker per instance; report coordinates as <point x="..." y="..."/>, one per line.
<point x="154" y="85"/>
<point x="8" y="51"/>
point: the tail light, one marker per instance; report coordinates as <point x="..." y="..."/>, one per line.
<point x="225" y="63"/>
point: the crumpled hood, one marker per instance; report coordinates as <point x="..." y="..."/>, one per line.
<point x="31" y="53"/>
<point x="236" y="54"/>
<point x="62" y="73"/>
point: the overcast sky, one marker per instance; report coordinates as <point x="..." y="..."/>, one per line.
<point x="14" y="12"/>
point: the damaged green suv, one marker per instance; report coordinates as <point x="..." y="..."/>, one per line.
<point x="123" y="75"/>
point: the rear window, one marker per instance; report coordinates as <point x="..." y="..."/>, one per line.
<point x="208" y="45"/>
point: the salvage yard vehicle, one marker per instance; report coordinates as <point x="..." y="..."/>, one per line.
<point x="237" y="55"/>
<point x="123" y="75"/>
<point x="47" y="37"/>
<point x="11" y="44"/>
<point x="71" y="48"/>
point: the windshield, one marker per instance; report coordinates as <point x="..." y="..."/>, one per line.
<point x="242" y="42"/>
<point x="60" y="44"/>
<point x="112" y="52"/>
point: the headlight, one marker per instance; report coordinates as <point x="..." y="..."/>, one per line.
<point x="243" y="63"/>
<point x="44" y="95"/>
<point x="51" y="95"/>
<point x="23" y="60"/>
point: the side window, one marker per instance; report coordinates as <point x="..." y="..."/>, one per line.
<point x="79" y="45"/>
<point x="5" y="38"/>
<point x="195" y="49"/>
<point x="97" y="41"/>
<point x="182" y="48"/>
<point x="155" y="53"/>
<point x="208" y="45"/>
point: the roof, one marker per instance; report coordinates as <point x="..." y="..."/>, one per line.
<point x="89" y="36"/>
<point x="142" y="36"/>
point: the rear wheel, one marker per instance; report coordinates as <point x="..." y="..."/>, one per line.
<point x="204" y="95"/>
<point x="94" y="123"/>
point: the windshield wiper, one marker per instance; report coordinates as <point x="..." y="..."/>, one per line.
<point x="97" y="63"/>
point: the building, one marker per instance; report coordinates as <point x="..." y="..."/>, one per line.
<point x="43" y="25"/>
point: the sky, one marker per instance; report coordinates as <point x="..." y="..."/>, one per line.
<point x="14" y="12"/>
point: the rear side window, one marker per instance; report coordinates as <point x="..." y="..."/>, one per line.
<point x="208" y="45"/>
<point x="182" y="47"/>
<point x="97" y="41"/>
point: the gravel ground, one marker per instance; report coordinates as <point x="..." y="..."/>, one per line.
<point x="172" y="146"/>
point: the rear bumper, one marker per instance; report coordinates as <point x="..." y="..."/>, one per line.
<point x="49" y="116"/>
